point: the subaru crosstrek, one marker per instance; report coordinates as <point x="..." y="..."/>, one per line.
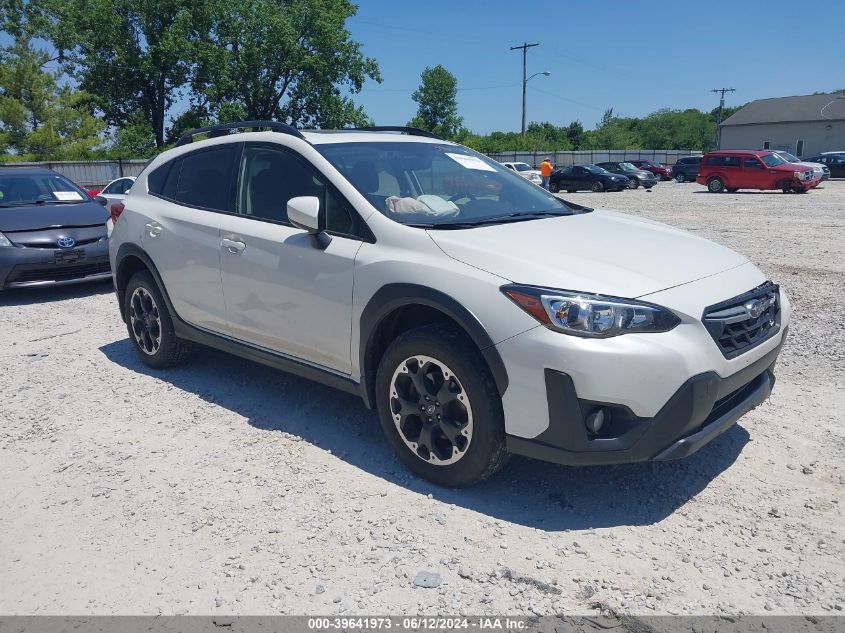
<point x="479" y="314"/>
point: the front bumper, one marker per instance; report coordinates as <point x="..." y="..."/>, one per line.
<point x="22" y="267"/>
<point x="703" y="407"/>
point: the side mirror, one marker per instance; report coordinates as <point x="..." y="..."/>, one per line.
<point x="304" y="213"/>
<point x="101" y="200"/>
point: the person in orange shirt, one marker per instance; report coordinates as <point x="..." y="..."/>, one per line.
<point x="546" y="172"/>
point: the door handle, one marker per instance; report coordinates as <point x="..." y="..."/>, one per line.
<point x="154" y="229"/>
<point x="233" y="246"/>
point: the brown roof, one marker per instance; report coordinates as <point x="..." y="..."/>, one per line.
<point x="821" y="107"/>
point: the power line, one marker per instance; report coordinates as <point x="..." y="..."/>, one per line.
<point x="722" y="92"/>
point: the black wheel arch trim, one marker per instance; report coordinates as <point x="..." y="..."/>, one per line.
<point x="393" y="296"/>
<point x="237" y="348"/>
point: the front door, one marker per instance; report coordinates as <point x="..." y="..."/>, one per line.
<point x="283" y="293"/>
<point x="755" y="175"/>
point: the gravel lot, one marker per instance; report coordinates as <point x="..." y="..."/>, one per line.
<point x="226" y="487"/>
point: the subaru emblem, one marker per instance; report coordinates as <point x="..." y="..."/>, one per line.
<point x="755" y="308"/>
<point x="66" y="242"/>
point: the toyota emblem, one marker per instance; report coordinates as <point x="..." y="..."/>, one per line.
<point x="66" y="242"/>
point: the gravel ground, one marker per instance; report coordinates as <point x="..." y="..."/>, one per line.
<point x="226" y="487"/>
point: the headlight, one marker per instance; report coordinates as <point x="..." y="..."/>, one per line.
<point x="4" y="241"/>
<point x="590" y="315"/>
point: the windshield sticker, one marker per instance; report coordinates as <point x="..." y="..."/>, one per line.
<point x="470" y="162"/>
<point x="67" y="195"/>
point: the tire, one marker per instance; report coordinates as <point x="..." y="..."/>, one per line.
<point x="799" y="190"/>
<point x="680" y="177"/>
<point x="150" y="326"/>
<point x="455" y="364"/>
<point x="786" y="186"/>
<point x="554" y="187"/>
<point x="571" y="190"/>
<point x="634" y="184"/>
<point x="715" y="185"/>
<point x="732" y="189"/>
<point x="597" y="187"/>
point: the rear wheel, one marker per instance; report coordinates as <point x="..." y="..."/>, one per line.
<point x="597" y="186"/>
<point x="680" y="177"/>
<point x="150" y="326"/>
<point x="715" y="185"/>
<point x="554" y="187"/>
<point x="439" y="406"/>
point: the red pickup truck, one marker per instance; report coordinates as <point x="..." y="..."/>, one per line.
<point x="731" y="170"/>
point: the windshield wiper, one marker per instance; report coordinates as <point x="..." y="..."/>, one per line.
<point x="497" y="219"/>
<point x="29" y="203"/>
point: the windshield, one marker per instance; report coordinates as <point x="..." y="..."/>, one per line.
<point x="789" y="158"/>
<point x="522" y="167"/>
<point x="628" y="167"/>
<point x="18" y="190"/>
<point x="773" y="160"/>
<point x="435" y="185"/>
<point x="595" y="169"/>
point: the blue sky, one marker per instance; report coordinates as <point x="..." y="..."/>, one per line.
<point x="634" y="56"/>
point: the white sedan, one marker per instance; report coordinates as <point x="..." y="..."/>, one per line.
<point x="116" y="191"/>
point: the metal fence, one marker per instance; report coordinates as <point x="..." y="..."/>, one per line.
<point x="562" y="159"/>
<point x="90" y="174"/>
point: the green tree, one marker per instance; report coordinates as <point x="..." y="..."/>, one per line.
<point x="437" y="102"/>
<point x="287" y="60"/>
<point x="135" y="55"/>
<point x="40" y="119"/>
<point x="135" y="139"/>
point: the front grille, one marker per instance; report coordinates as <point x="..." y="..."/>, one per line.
<point x="26" y="274"/>
<point x="53" y="244"/>
<point x="741" y="323"/>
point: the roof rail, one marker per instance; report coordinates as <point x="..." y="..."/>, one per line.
<point x="411" y="131"/>
<point x="222" y="130"/>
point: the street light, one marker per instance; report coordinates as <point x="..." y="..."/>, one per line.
<point x="525" y="81"/>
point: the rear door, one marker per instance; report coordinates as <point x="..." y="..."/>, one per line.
<point x="181" y="232"/>
<point x="282" y="293"/>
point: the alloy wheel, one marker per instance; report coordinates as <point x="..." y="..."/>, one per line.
<point x="145" y="320"/>
<point x="431" y="410"/>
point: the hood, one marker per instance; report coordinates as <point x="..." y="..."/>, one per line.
<point x="44" y="216"/>
<point x="602" y="252"/>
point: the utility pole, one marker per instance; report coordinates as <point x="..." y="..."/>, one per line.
<point x="722" y="92"/>
<point x="524" y="48"/>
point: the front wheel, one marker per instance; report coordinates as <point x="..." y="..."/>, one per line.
<point x="439" y="406"/>
<point x="634" y="183"/>
<point x="715" y="185"/>
<point x="680" y="177"/>
<point x="597" y="187"/>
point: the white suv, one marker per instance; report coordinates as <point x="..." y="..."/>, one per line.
<point x="479" y="314"/>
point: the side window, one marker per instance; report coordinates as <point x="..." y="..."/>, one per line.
<point x="113" y="187"/>
<point x="157" y="178"/>
<point x="731" y="161"/>
<point x="205" y="178"/>
<point x="269" y="177"/>
<point x="566" y="171"/>
<point x="578" y="171"/>
<point x="714" y="161"/>
<point x="751" y="163"/>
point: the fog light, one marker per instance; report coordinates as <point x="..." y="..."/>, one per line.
<point x="596" y="419"/>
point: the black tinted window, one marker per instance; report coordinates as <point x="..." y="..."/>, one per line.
<point x="271" y="176"/>
<point x="751" y="163"/>
<point x="723" y="161"/>
<point x="205" y="178"/>
<point x="157" y="178"/>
